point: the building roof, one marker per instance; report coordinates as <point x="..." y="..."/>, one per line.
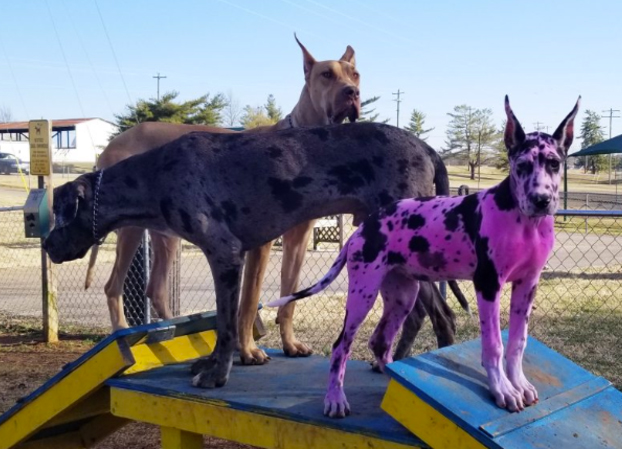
<point x="57" y="125"/>
<point x="610" y="146"/>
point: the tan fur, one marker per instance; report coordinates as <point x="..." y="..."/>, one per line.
<point x="329" y="96"/>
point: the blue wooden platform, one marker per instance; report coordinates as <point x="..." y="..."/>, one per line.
<point x="576" y="408"/>
<point x="290" y="389"/>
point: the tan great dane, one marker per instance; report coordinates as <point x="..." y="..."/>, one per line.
<point x="330" y="94"/>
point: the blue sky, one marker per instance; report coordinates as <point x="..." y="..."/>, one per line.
<point x="440" y="53"/>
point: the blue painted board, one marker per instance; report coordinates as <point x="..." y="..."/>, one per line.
<point x="453" y="381"/>
<point x="178" y="326"/>
<point x="292" y="389"/>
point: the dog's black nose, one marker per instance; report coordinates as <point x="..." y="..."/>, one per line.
<point x="351" y="91"/>
<point x="541" y="201"/>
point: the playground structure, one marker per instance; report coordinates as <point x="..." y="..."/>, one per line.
<point x="438" y="400"/>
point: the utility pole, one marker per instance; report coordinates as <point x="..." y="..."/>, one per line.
<point x="398" y="101"/>
<point x="539" y="126"/>
<point x="159" y="77"/>
<point x="611" y="116"/>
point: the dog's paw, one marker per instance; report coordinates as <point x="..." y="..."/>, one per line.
<point x="204" y="364"/>
<point x="336" y="405"/>
<point x="375" y="367"/>
<point x="210" y="372"/>
<point x="296" y="348"/>
<point x="506" y="396"/>
<point x="527" y="390"/>
<point x="253" y="356"/>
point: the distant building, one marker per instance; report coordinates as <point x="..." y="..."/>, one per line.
<point x="73" y="140"/>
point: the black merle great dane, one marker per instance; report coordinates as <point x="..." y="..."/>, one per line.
<point x="228" y="193"/>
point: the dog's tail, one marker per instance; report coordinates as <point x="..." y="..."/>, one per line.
<point x="90" y="271"/>
<point x="453" y="285"/>
<point x="441" y="177"/>
<point x="441" y="181"/>
<point x="321" y="284"/>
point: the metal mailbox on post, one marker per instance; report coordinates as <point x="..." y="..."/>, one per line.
<point x="37" y="214"/>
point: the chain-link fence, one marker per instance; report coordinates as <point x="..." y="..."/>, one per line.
<point x="578" y="308"/>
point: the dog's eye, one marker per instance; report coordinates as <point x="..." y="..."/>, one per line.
<point x="355" y="75"/>
<point x="328" y="74"/>
<point x="554" y="165"/>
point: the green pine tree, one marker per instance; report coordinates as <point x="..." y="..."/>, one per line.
<point x="367" y="115"/>
<point x="417" y="124"/>
<point x="591" y="134"/>
<point x="200" y="111"/>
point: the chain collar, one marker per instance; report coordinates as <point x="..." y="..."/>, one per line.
<point x="98" y="240"/>
<point x="290" y="121"/>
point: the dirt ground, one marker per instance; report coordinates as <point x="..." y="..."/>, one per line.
<point x="26" y="363"/>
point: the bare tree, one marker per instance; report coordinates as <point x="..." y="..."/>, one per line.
<point x="233" y="110"/>
<point x="5" y="114"/>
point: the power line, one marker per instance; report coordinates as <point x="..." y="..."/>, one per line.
<point x="398" y="101"/>
<point x="114" y="55"/>
<point x="158" y="77"/>
<point x="611" y="117"/>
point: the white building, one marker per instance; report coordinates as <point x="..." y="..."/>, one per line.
<point x="73" y="140"/>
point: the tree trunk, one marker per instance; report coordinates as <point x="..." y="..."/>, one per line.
<point x="472" y="165"/>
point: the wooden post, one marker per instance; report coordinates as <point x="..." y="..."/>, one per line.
<point x="39" y="133"/>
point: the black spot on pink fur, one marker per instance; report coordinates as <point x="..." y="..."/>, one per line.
<point x="419" y="244"/>
<point x="375" y="241"/>
<point x="416" y="221"/>
<point x="486" y="277"/>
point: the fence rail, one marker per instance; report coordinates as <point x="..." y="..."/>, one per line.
<point x="578" y="309"/>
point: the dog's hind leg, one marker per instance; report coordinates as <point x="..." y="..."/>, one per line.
<point x="523" y="293"/>
<point x="362" y="293"/>
<point x="256" y="262"/>
<point x="399" y="294"/>
<point x="128" y="240"/>
<point x="164" y="252"/>
<point x="226" y="259"/>
<point x="294" y="251"/>
<point x="442" y="317"/>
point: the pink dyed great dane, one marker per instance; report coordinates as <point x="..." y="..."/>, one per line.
<point x="502" y="234"/>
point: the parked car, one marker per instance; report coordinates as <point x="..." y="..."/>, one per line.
<point x="10" y="164"/>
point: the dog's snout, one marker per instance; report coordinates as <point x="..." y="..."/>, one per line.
<point x="351" y="91"/>
<point x="541" y="201"/>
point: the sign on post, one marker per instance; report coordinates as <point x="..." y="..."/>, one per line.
<point x="39" y="135"/>
<point x="39" y="132"/>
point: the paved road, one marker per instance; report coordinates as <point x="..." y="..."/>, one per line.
<point x="20" y="275"/>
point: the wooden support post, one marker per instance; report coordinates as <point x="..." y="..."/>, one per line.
<point x="39" y="135"/>
<point x="180" y="439"/>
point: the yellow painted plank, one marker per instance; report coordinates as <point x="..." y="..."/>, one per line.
<point x="87" y="436"/>
<point x="85" y="379"/>
<point x="99" y="428"/>
<point x="180" y="439"/>
<point x="71" y="440"/>
<point x="216" y="420"/>
<point x="425" y="421"/>
<point x="176" y="350"/>
<point x="95" y="404"/>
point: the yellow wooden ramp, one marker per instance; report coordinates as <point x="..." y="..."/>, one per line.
<point x="72" y="409"/>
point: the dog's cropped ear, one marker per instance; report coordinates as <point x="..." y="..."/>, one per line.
<point x="307" y="59"/>
<point x="514" y="134"/>
<point x="565" y="131"/>
<point x="66" y="201"/>
<point x="348" y="56"/>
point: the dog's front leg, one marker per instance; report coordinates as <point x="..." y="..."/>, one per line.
<point x="506" y="396"/>
<point x="256" y="263"/>
<point x="523" y="293"/>
<point x="226" y="266"/>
